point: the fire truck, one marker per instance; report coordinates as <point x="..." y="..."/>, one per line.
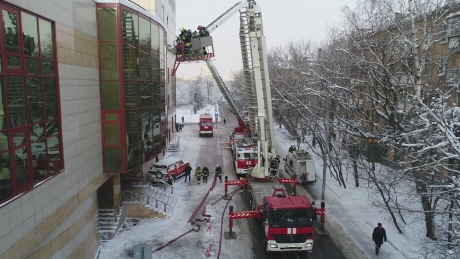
<point x="206" y="125"/>
<point x="244" y="154"/>
<point x="287" y="221"/>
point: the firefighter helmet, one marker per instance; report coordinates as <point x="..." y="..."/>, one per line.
<point x="181" y="28"/>
<point x="199" y="27"/>
<point x="217" y="165"/>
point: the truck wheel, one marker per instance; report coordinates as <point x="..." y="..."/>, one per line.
<point x="159" y="175"/>
<point x="211" y="134"/>
<point x="200" y="135"/>
<point x="264" y="244"/>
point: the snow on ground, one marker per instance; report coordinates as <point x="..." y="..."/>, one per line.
<point x="158" y="232"/>
<point x="358" y="210"/>
<point x="351" y="213"/>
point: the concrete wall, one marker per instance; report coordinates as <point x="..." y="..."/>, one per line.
<point x="58" y="219"/>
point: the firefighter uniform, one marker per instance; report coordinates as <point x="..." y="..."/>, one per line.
<point x="205" y="174"/>
<point x="198" y="173"/>
<point x="219" y="171"/>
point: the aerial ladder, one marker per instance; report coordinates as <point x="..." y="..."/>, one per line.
<point x="257" y="82"/>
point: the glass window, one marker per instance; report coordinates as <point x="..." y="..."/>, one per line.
<point x="107" y="23"/>
<point x="156" y="93"/>
<point x="6" y="184"/>
<point x="146" y="123"/>
<point x="144" y="32"/>
<point x="146" y="94"/>
<point x="156" y="121"/>
<point x="35" y="99"/>
<point x="155" y="37"/>
<point x="111" y="134"/>
<point x="134" y="156"/>
<point x="112" y="160"/>
<point x="54" y="155"/>
<point x="48" y="68"/>
<point x="51" y="105"/>
<point x="161" y="42"/>
<point x="155" y="64"/>
<point x="130" y="27"/>
<point x="145" y="64"/>
<point x="32" y="66"/>
<point x="10" y="27"/>
<point x="13" y="62"/>
<point x="133" y="127"/>
<point x="46" y="39"/>
<point x="16" y="100"/>
<point x="130" y="61"/>
<point x="30" y="34"/>
<point x="109" y="60"/>
<point x="131" y="95"/>
<point x="37" y="132"/>
<point x="111" y="117"/>
<point x="110" y="95"/>
<point x="291" y="217"/>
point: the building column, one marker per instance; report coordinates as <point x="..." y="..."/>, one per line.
<point x="116" y="188"/>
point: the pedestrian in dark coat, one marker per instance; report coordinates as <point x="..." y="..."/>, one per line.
<point x="378" y="236"/>
<point x="187" y="172"/>
<point x="177" y="127"/>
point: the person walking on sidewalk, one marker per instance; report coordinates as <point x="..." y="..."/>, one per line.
<point x="182" y="119"/>
<point x="198" y="173"/>
<point x="378" y="236"/>
<point x="219" y="172"/>
<point x="205" y="174"/>
<point x="188" y="171"/>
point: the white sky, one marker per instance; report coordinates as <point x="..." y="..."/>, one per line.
<point x="283" y="21"/>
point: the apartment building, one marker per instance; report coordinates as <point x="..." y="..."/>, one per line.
<point x="86" y="100"/>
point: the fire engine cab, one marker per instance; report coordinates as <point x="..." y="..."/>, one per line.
<point x="244" y="154"/>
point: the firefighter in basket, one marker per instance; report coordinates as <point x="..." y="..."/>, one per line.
<point x="274" y="164"/>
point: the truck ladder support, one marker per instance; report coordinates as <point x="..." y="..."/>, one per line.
<point x="234" y="182"/>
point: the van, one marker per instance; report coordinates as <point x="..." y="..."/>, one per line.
<point x="300" y="165"/>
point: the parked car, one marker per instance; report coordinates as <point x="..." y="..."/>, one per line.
<point x="168" y="169"/>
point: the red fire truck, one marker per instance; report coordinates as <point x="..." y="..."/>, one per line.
<point x="244" y="154"/>
<point x="206" y="125"/>
<point x="287" y="221"/>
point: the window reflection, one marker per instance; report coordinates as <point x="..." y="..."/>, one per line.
<point x="111" y="134"/>
<point x="11" y="31"/>
<point x="130" y="61"/>
<point x="46" y="39"/>
<point x="144" y="32"/>
<point x="48" y="68"/>
<point x="6" y="184"/>
<point x="132" y="95"/>
<point x="16" y="100"/>
<point x="134" y="153"/>
<point x="146" y="94"/>
<point x="51" y="105"/>
<point x="35" y="99"/>
<point x="130" y="27"/>
<point x="156" y="121"/>
<point x="30" y="37"/>
<point x="145" y="64"/>
<point x="54" y="155"/>
<point x="32" y="66"/>
<point x="155" y="37"/>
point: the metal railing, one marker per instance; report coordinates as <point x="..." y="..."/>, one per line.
<point x="137" y="196"/>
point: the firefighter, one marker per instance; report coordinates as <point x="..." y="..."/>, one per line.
<point x="198" y="173"/>
<point x="219" y="172"/>
<point x="205" y="174"/>
<point x="274" y="164"/>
